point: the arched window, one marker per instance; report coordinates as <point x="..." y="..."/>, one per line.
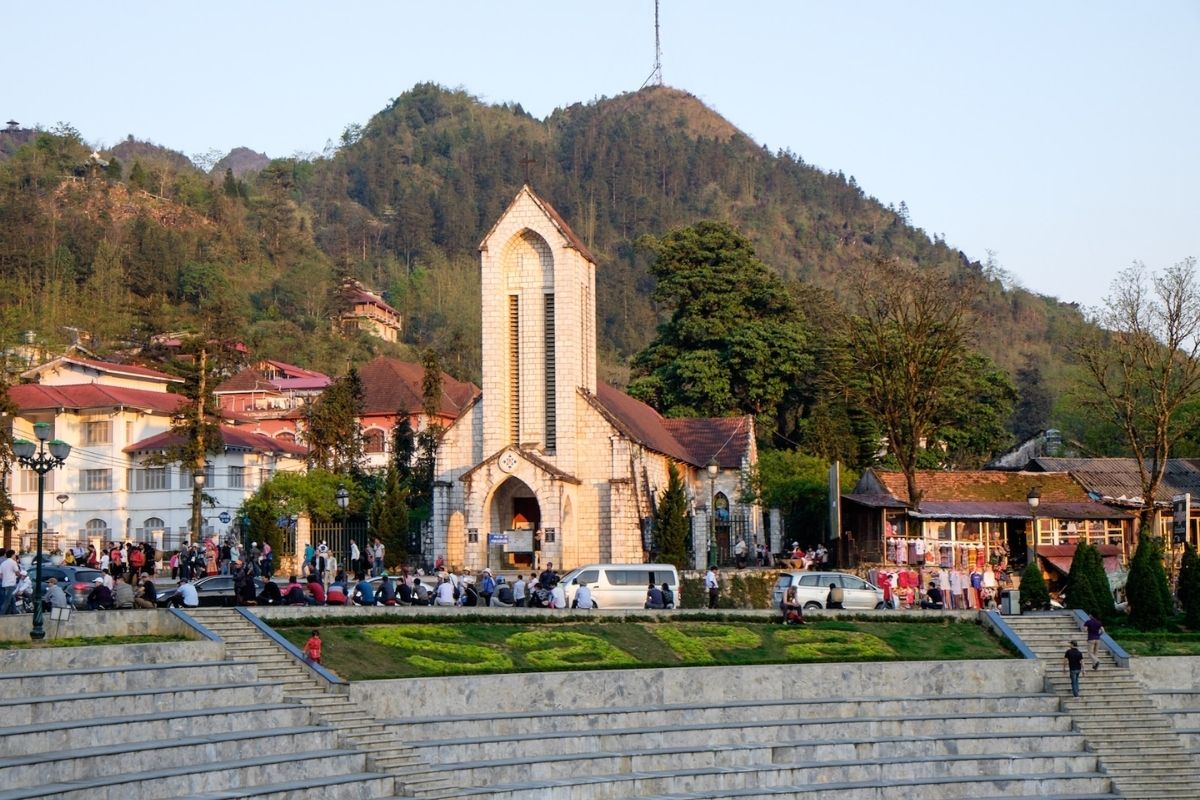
<point x="33" y="526"/>
<point x="97" y="527"/>
<point x="286" y="436"/>
<point x="373" y="441"/>
<point x="153" y="523"/>
<point x="721" y="504"/>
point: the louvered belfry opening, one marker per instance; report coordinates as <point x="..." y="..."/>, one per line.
<point x="551" y="408"/>
<point x="514" y="369"/>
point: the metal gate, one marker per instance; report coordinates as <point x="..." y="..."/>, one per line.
<point x="337" y="535"/>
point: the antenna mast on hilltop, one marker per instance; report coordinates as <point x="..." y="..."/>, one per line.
<point x="656" y="76"/>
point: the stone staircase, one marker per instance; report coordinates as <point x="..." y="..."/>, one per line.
<point x="178" y="719"/>
<point x="929" y="745"/>
<point x="356" y="727"/>
<point x="1137" y="743"/>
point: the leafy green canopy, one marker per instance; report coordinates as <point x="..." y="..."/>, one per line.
<point x="335" y="441"/>
<point x="733" y="343"/>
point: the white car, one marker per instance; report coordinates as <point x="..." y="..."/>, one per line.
<point x="812" y="588"/>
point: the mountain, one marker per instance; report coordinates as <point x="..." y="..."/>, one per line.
<point x="240" y="161"/>
<point x="402" y="204"/>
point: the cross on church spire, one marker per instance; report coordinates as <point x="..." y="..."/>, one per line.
<point x="526" y="162"/>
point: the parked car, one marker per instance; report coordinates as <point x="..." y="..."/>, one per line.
<point x="215" y="590"/>
<point x="812" y="588"/>
<point x="75" y="581"/>
<point x="621" y="585"/>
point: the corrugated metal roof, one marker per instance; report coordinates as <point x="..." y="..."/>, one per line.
<point x="1119" y="479"/>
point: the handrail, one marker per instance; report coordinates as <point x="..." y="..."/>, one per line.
<point x="1118" y="653"/>
<point x="995" y="621"/>
<point x="204" y="632"/>
<point x="338" y="683"/>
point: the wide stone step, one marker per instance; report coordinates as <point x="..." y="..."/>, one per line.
<point x="350" y="786"/>
<point x="862" y="729"/>
<point x="190" y="778"/>
<point x="885" y="770"/>
<point x="815" y="748"/>
<point x="759" y="783"/>
<point x="134" y="676"/>
<point x="59" y="707"/>
<point x="109" y="760"/>
<point x="164" y="726"/>
<point x="449" y="726"/>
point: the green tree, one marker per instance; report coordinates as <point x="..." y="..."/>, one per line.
<point x="908" y="345"/>
<point x="8" y="413"/>
<point x="733" y="343"/>
<point x="1034" y="594"/>
<point x="671" y="522"/>
<point x="1141" y="365"/>
<point x="310" y="493"/>
<point x="427" y="439"/>
<point x="1031" y="415"/>
<point x="389" y="516"/>
<point x="332" y="431"/>
<point x="1189" y="586"/>
<point x="1087" y="582"/>
<point x="798" y="485"/>
<point x="1150" y="603"/>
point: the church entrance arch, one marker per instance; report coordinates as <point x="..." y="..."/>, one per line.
<point x="514" y="523"/>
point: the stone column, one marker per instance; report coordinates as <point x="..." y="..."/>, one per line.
<point x="776" y="543"/>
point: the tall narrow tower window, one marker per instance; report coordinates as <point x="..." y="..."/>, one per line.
<point x="514" y="370"/>
<point x="551" y="415"/>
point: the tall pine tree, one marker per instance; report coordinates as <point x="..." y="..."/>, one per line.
<point x="671" y="522"/>
<point x="335" y="441"/>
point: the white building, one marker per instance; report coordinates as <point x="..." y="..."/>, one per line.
<point x="105" y="490"/>
<point x="548" y="464"/>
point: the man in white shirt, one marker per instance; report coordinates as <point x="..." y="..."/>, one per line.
<point x="445" y="593"/>
<point x="713" y="585"/>
<point x="558" y="596"/>
<point x="519" y="591"/>
<point x="188" y="595"/>
<point x="378" y="554"/>
<point x="10" y="573"/>
<point x="583" y="595"/>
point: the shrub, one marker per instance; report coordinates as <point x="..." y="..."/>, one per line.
<point x="694" y="644"/>
<point x="1034" y="594"/>
<point x="1189" y="587"/>
<point x="1149" y="596"/>
<point x="1087" y="584"/>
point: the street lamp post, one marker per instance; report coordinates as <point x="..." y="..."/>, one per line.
<point x="62" y="503"/>
<point x="342" y="496"/>
<point x="1034" y="498"/>
<point x="713" y="468"/>
<point x="36" y="458"/>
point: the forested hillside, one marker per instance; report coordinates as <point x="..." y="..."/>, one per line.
<point x="143" y="242"/>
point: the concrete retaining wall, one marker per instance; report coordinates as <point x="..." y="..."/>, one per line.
<point x="613" y="688"/>
<point x="37" y="659"/>
<point x="130" y="622"/>
<point x="1167" y="672"/>
<point x="406" y="613"/>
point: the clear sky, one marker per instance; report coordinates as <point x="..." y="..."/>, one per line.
<point x="1063" y="136"/>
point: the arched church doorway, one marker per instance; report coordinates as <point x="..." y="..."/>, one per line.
<point x="514" y="523"/>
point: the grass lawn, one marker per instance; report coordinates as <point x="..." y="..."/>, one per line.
<point x="374" y="651"/>
<point x="1174" y="640"/>
<point x="85" y="641"/>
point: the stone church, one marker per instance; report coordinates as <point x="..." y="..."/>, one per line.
<point x="548" y="464"/>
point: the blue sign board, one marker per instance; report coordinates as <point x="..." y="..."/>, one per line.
<point x="497" y="538"/>
<point x="224" y="517"/>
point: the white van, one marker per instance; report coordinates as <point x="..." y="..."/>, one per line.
<point x="621" y="585"/>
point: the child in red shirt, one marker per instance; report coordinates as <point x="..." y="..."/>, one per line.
<point x="312" y="648"/>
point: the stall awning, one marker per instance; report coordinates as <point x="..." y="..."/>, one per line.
<point x="1060" y="556"/>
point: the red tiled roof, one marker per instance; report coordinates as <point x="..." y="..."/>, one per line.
<point x="573" y="241"/>
<point x="108" y="366"/>
<point x="693" y="440"/>
<point x="248" y="380"/>
<point x="234" y="438"/>
<point x="77" y="396"/>
<point x="986" y="485"/>
<point x="292" y="371"/>
<point x="356" y="295"/>
<point x="392" y="386"/>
